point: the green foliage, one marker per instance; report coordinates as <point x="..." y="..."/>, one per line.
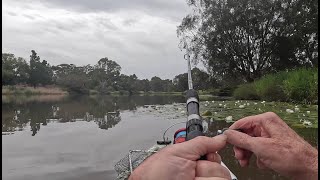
<point x="246" y="91"/>
<point x="270" y="87"/>
<point x="14" y="70"/>
<point x="246" y="39"/>
<point x="302" y="85"/>
<point x="40" y="72"/>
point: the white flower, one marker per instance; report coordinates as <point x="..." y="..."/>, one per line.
<point x="182" y="112"/>
<point x="205" y="105"/>
<point x="212" y="101"/>
<point x="248" y="104"/>
<point x="220" y="104"/>
<point x="207" y="101"/>
<point x="307" y="123"/>
<point x="263" y="102"/>
<point x="229" y="118"/>
<point x="296" y="109"/>
<point x="289" y="111"/>
<point x="241" y="106"/>
<point x="255" y="103"/>
<point x="308" y="112"/>
<point x="215" y="113"/>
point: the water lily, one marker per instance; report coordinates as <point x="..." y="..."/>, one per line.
<point x="241" y="106"/>
<point x="212" y="101"/>
<point x="220" y="104"/>
<point x="307" y="123"/>
<point x="215" y="113"/>
<point x="229" y="118"/>
<point x="248" y="104"/>
<point x="289" y="111"/>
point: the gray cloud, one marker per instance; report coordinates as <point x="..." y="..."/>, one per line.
<point x="11" y="13"/>
<point x="165" y="8"/>
<point x="139" y="34"/>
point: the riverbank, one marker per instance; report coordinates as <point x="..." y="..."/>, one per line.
<point x="297" y="86"/>
<point x="27" y="90"/>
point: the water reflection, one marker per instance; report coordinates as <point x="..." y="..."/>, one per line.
<point x="103" y="110"/>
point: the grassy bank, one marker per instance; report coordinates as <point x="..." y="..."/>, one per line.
<point x="126" y="93"/>
<point x="26" y="90"/>
<point x="298" y="86"/>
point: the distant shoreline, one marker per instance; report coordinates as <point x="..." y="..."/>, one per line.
<point x="27" y="90"/>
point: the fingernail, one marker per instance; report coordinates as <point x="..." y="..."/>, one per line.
<point x="224" y="132"/>
<point x="222" y="136"/>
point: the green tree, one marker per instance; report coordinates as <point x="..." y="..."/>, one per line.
<point x="40" y="72"/>
<point x="156" y="84"/>
<point x="8" y="66"/>
<point x="75" y="79"/>
<point x="249" y="38"/>
<point x="106" y="75"/>
<point x="14" y="70"/>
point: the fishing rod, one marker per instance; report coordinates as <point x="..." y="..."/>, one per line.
<point x="194" y="127"/>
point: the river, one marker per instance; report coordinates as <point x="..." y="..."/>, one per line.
<point x="83" y="137"/>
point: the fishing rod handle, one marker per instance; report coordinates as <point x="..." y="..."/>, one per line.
<point x="194" y="126"/>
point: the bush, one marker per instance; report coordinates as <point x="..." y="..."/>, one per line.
<point x="246" y="91"/>
<point x="302" y="85"/>
<point x="270" y="87"/>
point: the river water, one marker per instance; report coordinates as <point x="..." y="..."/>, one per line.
<point x="83" y="137"/>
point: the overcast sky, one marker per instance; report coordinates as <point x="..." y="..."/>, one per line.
<point x="138" y="34"/>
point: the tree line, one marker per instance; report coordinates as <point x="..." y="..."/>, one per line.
<point x="104" y="77"/>
<point x="242" y="40"/>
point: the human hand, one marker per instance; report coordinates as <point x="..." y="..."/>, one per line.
<point x="180" y="161"/>
<point x="275" y="145"/>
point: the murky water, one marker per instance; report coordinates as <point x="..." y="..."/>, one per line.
<point x="81" y="137"/>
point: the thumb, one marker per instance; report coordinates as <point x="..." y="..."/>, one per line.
<point x="199" y="146"/>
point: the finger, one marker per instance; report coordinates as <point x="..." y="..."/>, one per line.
<point x="214" y="157"/>
<point x="239" y="139"/>
<point x="211" y="169"/>
<point x="210" y="178"/>
<point x="258" y="145"/>
<point x="241" y="154"/>
<point x="198" y="147"/>
<point x="269" y="121"/>
<point x="260" y="164"/>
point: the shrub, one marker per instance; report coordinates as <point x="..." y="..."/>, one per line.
<point x="270" y="87"/>
<point x="246" y="91"/>
<point x="302" y="85"/>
